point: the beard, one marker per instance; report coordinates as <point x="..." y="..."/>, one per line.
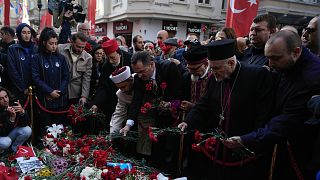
<point x="194" y="78"/>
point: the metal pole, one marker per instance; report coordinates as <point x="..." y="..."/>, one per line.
<point x="180" y="155"/>
<point x="31" y="112"/>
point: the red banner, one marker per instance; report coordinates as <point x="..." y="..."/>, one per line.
<point x="92" y="15"/>
<point x="46" y="20"/>
<point x="7" y="12"/>
<point x="240" y="14"/>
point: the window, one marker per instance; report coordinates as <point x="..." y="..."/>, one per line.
<point x="315" y="1"/>
<point x="224" y="4"/>
<point x="204" y="1"/>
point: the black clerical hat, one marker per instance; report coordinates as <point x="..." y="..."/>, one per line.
<point x="196" y="55"/>
<point x="221" y="49"/>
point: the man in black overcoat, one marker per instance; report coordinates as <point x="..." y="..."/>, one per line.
<point x="239" y="99"/>
<point x="155" y="74"/>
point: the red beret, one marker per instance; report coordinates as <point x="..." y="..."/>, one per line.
<point x="110" y="46"/>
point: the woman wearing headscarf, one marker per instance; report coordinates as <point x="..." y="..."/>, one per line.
<point x="20" y="56"/>
<point x="50" y="74"/>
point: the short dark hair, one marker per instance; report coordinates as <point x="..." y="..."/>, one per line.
<point x="291" y="39"/>
<point x="135" y="38"/>
<point x="79" y="35"/>
<point x="270" y="19"/>
<point x="8" y="30"/>
<point x="45" y="35"/>
<point x="142" y="56"/>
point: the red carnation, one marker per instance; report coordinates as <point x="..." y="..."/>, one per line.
<point x="72" y="150"/>
<point x="151" y="135"/>
<point x="210" y="144"/>
<point x="143" y="110"/>
<point x="147" y="105"/>
<point x="197" y="136"/>
<point x="196" y="147"/>
<point x="50" y="136"/>
<point x="80" y="109"/>
<point x="85" y="151"/>
<point x="163" y="85"/>
<point x="149" y="86"/>
<point x="27" y="178"/>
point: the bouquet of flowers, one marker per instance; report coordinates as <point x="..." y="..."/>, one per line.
<point x="154" y="132"/>
<point x="153" y="101"/>
<point x="79" y="113"/>
<point x="207" y="142"/>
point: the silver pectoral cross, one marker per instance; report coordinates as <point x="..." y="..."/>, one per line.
<point x="221" y="117"/>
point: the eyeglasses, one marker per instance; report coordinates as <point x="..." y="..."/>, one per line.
<point x="148" y="47"/>
<point x="85" y="29"/>
<point x="99" y="53"/>
<point x="310" y="30"/>
<point x="194" y="69"/>
<point x="159" y="37"/>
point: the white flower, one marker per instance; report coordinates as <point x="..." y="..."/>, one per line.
<point x="55" y="130"/>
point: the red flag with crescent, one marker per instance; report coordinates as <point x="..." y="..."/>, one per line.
<point x="24" y="151"/>
<point x="240" y="14"/>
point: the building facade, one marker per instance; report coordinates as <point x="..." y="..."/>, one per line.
<point x="146" y="17"/>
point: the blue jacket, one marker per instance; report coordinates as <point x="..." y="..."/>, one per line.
<point x="295" y="88"/>
<point x="19" y="66"/>
<point x="50" y="72"/>
<point x="254" y="56"/>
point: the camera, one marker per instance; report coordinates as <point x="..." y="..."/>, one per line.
<point x="75" y="8"/>
<point x="67" y="5"/>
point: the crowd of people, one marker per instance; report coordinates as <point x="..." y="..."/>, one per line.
<point x="259" y="91"/>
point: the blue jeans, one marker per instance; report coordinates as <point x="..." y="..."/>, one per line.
<point x="15" y="138"/>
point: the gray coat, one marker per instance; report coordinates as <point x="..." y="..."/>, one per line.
<point x="79" y="72"/>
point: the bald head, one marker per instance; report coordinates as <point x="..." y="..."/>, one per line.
<point x="289" y="28"/>
<point x="283" y="49"/>
<point x="162" y="35"/>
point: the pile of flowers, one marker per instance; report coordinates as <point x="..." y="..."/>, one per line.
<point x="79" y="113"/>
<point x="68" y="156"/>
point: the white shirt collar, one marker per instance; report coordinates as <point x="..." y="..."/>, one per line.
<point x="154" y="73"/>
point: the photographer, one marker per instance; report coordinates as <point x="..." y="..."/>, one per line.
<point x="66" y="13"/>
<point x="14" y="129"/>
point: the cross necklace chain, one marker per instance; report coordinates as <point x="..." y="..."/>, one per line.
<point x="224" y="107"/>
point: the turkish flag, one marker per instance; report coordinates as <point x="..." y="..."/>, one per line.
<point x="25" y="151"/>
<point x="92" y="15"/>
<point x="240" y="14"/>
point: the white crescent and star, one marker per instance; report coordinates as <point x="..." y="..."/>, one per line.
<point x="237" y="11"/>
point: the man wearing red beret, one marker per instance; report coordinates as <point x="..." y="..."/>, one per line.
<point x="105" y="97"/>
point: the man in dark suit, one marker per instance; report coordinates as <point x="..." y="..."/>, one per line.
<point x="156" y="74"/>
<point x="239" y="99"/>
<point x="299" y="80"/>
